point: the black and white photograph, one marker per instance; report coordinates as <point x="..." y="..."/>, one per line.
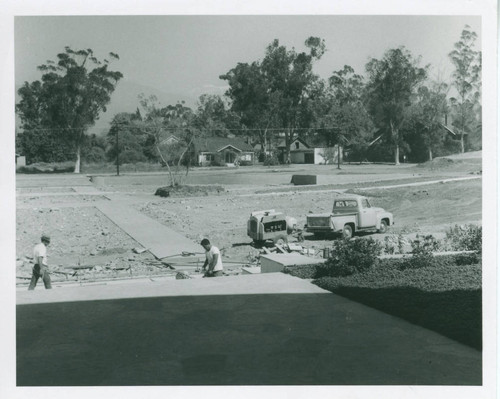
<point x="224" y="199"/>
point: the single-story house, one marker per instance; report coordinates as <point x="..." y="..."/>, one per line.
<point x="302" y="152"/>
<point x="222" y="151"/>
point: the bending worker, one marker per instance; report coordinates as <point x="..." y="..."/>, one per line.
<point x="213" y="259"/>
<point x="41" y="268"/>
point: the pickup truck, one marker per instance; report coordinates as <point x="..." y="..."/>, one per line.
<point x="350" y="214"/>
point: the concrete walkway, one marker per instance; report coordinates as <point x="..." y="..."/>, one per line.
<point x="270" y="329"/>
<point x="161" y="241"/>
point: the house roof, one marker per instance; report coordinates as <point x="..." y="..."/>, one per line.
<point x="169" y="139"/>
<point x="450" y="131"/>
<point x="215" y="144"/>
<point x="282" y="143"/>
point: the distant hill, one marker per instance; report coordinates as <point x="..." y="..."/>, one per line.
<point x="125" y="99"/>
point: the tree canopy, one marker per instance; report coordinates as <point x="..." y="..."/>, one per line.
<point x="69" y="98"/>
<point x="466" y="79"/>
<point x="392" y="82"/>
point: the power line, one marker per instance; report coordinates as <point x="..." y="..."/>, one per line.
<point x="149" y="129"/>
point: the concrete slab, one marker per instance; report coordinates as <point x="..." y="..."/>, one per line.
<point x="270" y="329"/>
<point x="271" y="283"/>
<point x="161" y="241"/>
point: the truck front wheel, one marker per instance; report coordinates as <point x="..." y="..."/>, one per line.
<point x="347" y="232"/>
<point x="383" y="227"/>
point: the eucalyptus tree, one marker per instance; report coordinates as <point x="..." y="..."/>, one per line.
<point x="70" y="97"/>
<point x="342" y="118"/>
<point x="426" y="117"/>
<point x="392" y="83"/>
<point x="466" y="79"/>
<point x="277" y="92"/>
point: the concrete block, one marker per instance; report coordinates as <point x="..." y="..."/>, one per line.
<point x="302" y="180"/>
<point x="251" y="270"/>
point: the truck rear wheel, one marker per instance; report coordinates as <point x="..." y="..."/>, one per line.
<point x="383" y="227"/>
<point x="347" y="232"/>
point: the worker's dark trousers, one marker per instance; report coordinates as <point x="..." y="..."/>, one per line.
<point x="37" y="273"/>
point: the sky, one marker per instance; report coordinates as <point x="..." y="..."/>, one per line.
<point x="180" y="57"/>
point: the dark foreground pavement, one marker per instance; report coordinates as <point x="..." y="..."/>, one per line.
<point x="216" y="337"/>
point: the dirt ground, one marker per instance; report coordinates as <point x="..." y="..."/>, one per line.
<point x="86" y="246"/>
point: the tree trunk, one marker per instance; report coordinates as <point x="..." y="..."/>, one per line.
<point x="77" y="163"/>
<point x="288" y="136"/>
<point x="338" y="155"/>
<point x="395" y="136"/>
<point x="462" y="146"/>
<point x="430" y="154"/>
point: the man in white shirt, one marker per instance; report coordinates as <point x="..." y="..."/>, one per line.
<point x="41" y="268"/>
<point x="213" y="259"/>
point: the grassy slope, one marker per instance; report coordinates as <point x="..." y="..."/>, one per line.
<point x="430" y="205"/>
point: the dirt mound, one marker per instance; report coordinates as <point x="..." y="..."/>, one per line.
<point x="189" y="191"/>
<point x="465" y="165"/>
<point x="439" y="163"/>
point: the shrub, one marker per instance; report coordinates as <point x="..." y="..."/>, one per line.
<point x="350" y="257"/>
<point x="271" y="160"/>
<point x="302" y="271"/>
<point x="449" y="260"/>
<point x="43" y="167"/>
<point x="465" y="238"/>
<point x="95" y="155"/>
<point x="422" y="256"/>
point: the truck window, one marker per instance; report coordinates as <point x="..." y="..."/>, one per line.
<point x="351" y="204"/>
<point x="339" y="204"/>
<point x="365" y="203"/>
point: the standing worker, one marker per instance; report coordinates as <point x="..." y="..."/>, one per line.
<point x="41" y="269"/>
<point x="213" y="259"/>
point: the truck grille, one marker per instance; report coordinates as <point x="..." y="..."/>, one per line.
<point x="318" y="221"/>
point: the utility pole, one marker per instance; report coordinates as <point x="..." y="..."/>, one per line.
<point x="117" y="155"/>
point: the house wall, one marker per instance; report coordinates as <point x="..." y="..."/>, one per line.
<point x="297" y="145"/>
<point x="205" y="158"/>
<point x="297" y="157"/>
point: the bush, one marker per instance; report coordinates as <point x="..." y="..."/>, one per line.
<point x="271" y="160"/>
<point x="451" y="260"/>
<point x="43" y="167"/>
<point x="421" y="253"/>
<point x="465" y="238"/>
<point x="350" y="257"/>
<point x="95" y="155"/>
<point x="302" y="271"/>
